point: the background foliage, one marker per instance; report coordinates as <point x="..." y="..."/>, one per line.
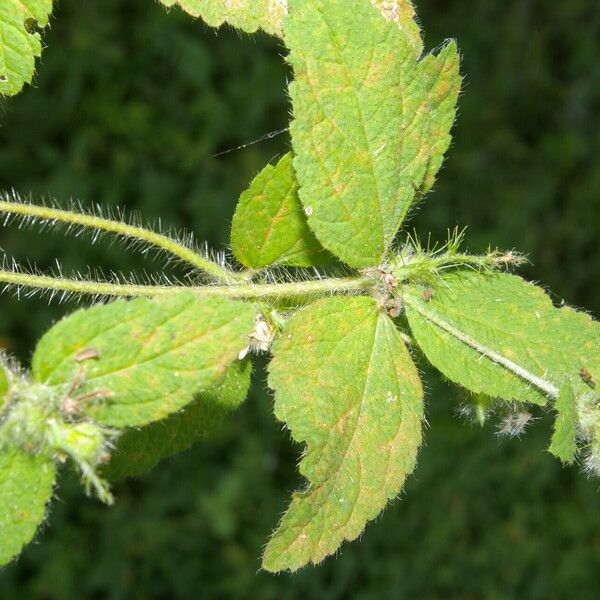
<point x="129" y="106"/>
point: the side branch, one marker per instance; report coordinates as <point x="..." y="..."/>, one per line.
<point x="44" y="213"/>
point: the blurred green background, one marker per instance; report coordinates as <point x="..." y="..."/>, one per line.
<point x="129" y="106"/>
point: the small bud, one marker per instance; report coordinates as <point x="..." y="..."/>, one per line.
<point x="82" y="441"/>
<point x="427" y="294"/>
<point x="70" y="406"/>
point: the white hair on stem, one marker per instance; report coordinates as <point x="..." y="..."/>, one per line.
<point x="99" y="222"/>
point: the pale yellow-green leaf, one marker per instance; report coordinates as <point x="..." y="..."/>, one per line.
<point x="371" y="120"/>
<point x="269" y="226"/>
<point x="442" y="73"/>
<point x="346" y="386"/>
<point x="249" y="15"/>
<point x="499" y="335"/>
<point x="26" y="484"/>
<point x="356" y="74"/>
<point x="139" y="450"/>
<point x="152" y="356"/>
<point x="564" y="438"/>
<point x="20" y="42"/>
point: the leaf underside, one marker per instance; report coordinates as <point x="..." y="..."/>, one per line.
<point x="513" y="318"/>
<point x="269" y="226"/>
<point x="371" y="122"/>
<point x="20" y="43"/>
<point x="248" y="15"/>
<point x="26" y="485"/>
<point x="346" y="386"/>
<point x="153" y="355"/>
<point x="139" y="450"/>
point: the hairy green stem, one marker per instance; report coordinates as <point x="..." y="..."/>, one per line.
<point x="492" y="260"/>
<point x="274" y="291"/>
<point x="370" y="279"/>
<point x="546" y="387"/>
<point x="427" y="264"/>
<point x="159" y="240"/>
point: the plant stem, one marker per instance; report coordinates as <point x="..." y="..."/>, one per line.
<point x="424" y="264"/>
<point x="242" y="287"/>
<point x="275" y="291"/>
<point x="159" y="240"/>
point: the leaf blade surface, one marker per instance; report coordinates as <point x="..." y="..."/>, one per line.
<point x="139" y="450"/>
<point x="515" y="320"/>
<point x="20" y="43"/>
<point x="442" y="73"/>
<point x="345" y="385"/>
<point x="248" y="15"/>
<point x="564" y="437"/>
<point x="153" y="355"/>
<point x="356" y="75"/>
<point x="26" y="486"/>
<point x="269" y="226"/>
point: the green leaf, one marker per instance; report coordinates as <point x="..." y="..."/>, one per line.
<point x="498" y="335"/>
<point x="268" y="15"/>
<point x="249" y="15"/>
<point x="269" y="226"/>
<point x="564" y="439"/>
<point x="354" y="72"/>
<point x="139" y="450"/>
<point x="26" y="484"/>
<point x="152" y="356"/>
<point x="345" y="385"/>
<point x="20" y="43"/>
<point x="442" y="73"/>
<point x="370" y="120"/>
